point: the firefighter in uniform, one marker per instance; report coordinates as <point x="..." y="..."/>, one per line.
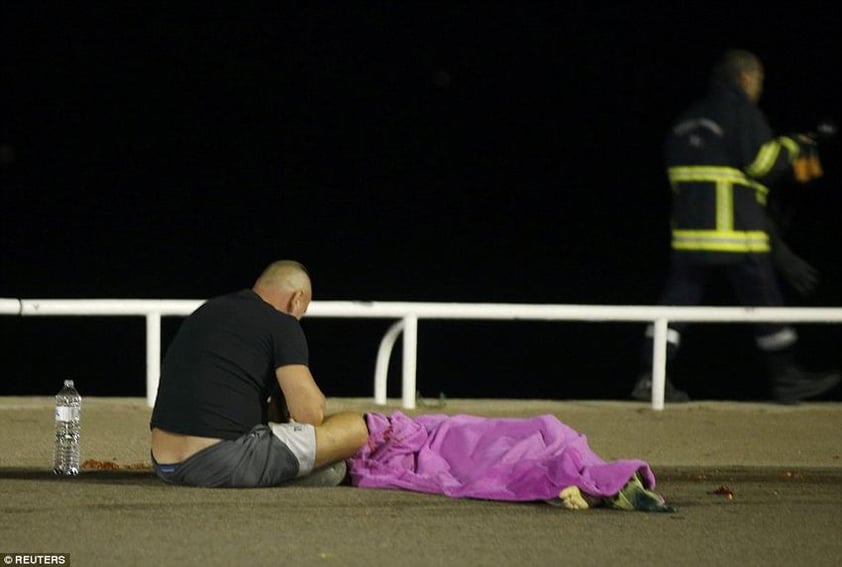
<point x="721" y="157"/>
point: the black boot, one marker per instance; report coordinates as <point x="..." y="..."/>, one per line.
<point x="643" y="390"/>
<point x="791" y="383"/>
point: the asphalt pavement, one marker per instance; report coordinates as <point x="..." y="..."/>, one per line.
<point x="752" y="484"/>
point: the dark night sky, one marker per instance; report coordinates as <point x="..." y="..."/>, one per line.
<point x="403" y="151"/>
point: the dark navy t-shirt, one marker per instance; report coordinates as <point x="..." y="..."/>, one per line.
<point x="220" y="367"/>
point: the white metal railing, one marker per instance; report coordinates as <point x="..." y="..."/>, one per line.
<point x="408" y="315"/>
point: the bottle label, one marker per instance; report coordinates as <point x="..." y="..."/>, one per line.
<point x="64" y="413"/>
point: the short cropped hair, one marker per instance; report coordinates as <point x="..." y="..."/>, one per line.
<point x="288" y="274"/>
<point x="734" y="63"/>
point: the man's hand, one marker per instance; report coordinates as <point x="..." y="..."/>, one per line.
<point x="803" y="277"/>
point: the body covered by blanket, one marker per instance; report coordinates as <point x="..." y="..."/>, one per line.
<point x="490" y="458"/>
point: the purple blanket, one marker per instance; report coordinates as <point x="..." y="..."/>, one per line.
<point x="490" y="458"/>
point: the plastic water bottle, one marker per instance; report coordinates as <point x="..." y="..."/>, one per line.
<point x="68" y="408"/>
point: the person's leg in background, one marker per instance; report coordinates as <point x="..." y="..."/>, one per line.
<point x="685" y="286"/>
<point x="755" y="283"/>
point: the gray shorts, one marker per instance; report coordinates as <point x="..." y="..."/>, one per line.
<point x="267" y="455"/>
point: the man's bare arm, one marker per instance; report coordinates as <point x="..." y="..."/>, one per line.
<point x="305" y="401"/>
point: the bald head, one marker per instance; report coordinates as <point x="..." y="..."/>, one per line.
<point x="285" y="285"/>
<point x="742" y="68"/>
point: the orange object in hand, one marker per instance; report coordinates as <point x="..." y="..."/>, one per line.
<point x="801" y="169"/>
<point x="807" y="166"/>
<point x="814" y="165"/>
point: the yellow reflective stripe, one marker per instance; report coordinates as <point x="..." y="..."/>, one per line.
<point x="744" y="234"/>
<point x="769" y="153"/>
<point x="721" y="240"/>
<point x="791" y="146"/>
<point x="714" y="174"/>
<point x="765" y="159"/>
<point x="719" y="247"/>
<point x="706" y="174"/>
<point x="724" y="206"/>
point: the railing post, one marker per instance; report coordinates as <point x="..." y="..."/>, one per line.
<point x="153" y="356"/>
<point x="659" y="363"/>
<point x="410" y="353"/>
<point x="381" y="368"/>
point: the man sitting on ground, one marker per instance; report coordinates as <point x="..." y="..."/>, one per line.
<point x="211" y="421"/>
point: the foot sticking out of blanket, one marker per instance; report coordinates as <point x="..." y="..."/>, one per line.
<point x="634" y="496"/>
<point x="571" y="498"/>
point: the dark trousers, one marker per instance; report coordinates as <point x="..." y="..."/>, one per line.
<point x="754" y="282"/>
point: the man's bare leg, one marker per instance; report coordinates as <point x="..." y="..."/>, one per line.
<point x="339" y="436"/>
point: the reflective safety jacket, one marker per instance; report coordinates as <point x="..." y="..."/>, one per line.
<point x="721" y="155"/>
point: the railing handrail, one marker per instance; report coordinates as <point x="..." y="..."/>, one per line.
<point x="440" y="310"/>
<point x="411" y="312"/>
